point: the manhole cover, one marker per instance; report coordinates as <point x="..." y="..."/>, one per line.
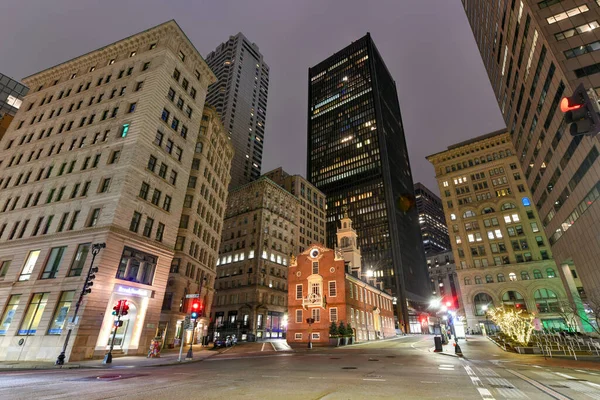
<point x="108" y="377"/>
<point x="373" y="359"/>
<point x="348" y="367"/>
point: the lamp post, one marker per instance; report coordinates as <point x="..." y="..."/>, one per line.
<point x="96" y="247"/>
<point x="310" y="321"/>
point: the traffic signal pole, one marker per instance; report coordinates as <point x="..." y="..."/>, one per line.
<point x="60" y="360"/>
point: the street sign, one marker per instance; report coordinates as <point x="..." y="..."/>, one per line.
<point x="192" y="296"/>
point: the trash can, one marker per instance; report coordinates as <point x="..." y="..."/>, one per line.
<point x="437" y="340"/>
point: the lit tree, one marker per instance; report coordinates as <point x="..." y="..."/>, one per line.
<point x="515" y="324"/>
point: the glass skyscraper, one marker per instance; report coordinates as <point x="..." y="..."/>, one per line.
<point x="357" y="156"/>
<point x="11" y="95"/>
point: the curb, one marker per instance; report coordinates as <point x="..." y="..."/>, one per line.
<point x="79" y="366"/>
<point x="443" y="353"/>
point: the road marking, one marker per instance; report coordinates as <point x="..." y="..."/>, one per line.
<point x="447" y="365"/>
<point x="272" y="345"/>
<point x="586" y="372"/>
<point x="485" y="394"/>
<point x="592" y="384"/>
<point x="565" y="375"/>
<point x="469" y="370"/>
<point x="316" y="377"/>
<point x="540" y="386"/>
<point x="446" y="369"/>
<point x="263" y="347"/>
<point x="476" y="381"/>
<point x="487" y="372"/>
<point x="373" y="379"/>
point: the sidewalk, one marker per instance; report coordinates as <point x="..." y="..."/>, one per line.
<point x="167" y="357"/>
<point x="481" y="348"/>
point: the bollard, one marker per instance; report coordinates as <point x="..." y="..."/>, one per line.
<point x="457" y="350"/>
<point x="437" y="340"/>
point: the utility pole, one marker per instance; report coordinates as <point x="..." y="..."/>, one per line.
<point x="96" y="247"/>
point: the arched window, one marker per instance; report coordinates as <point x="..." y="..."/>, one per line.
<point x="478" y="280"/>
<point x="546" y="301"/>
<point x="453" y="217"/>
<point x="467" y="281"/>
<point x="524" y="275"/>
<point x="483" y="302"/>
<point x="345" y="225"/>
<point x="345" y="242"/>
<point x="514" y="299"/>
<point x="489" y="279"/>
<point x="468" y="214"/>
<point x="550" y="273"/>
<point x="501" y="278"/>
<point x="488" y="210"/>
<point x="512" y="276"/>
<point x="508" y="206"/>
<point x="537" y="274"/>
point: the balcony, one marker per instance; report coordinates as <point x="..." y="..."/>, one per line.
<point x="313" y="300"/>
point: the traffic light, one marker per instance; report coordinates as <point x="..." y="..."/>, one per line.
<point x="195" y="309"/>
<point x="121" y="308"/>
<point x="89" y="281"/>
<point x="581" y="112"/>
<point x="124" y="308"/>
<point x="117" y="308"/>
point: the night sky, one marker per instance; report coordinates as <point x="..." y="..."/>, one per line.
<point x="427" y="45"/>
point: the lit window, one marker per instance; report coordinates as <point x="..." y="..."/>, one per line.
<point x="567" y="14"/>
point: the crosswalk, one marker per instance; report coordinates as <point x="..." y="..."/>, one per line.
<point x="491" y="384"/>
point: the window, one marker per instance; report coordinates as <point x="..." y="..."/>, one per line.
<point x="173" y="177"/>
<point x="114" y="157"/>
<point x="524" y="275"/>
<point x="546" y="301"/>
<point x="501" y="278"/>
<point x="60" y="314"/>
<point x="478" y="280"/>
<point x="144" y="191"/>
<point x="316" y="314"/>
<point x="299" y="319"/>
<point x="489" y="279"/>
<point x="4" y="265"/>
<point x="333" y="314"/>
<point x="299" y="292"/>
<point x="483" y="302"/>
<point x="79" y="259"/>
<point x="135" y="221"/>
<point x="148" y="227"/>
<point x="162" y="172"/>
<point x="29" y="265"/>
<point x="156" y="197"/>
<point x="33" y="315"/>
<point x="514" y="299"/>
<point x="167" y="203"/>
<point x="165" y="115"/>
<point x="53" y="262"/>
<point x="315" y="267"/>
<point x="136" y="266"/>
<point x="104" y="185"/>
<point x="316" y="335"/>
<point x="332" y="289"/>
<point x="576" y="31"/>
<point x="550" y="273"/>
<point x="567" y="14"/>
<point x="9" y="313"/>
<point x="298" y="336"/>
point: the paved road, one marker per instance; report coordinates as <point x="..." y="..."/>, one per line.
<point x="403" y="368"/>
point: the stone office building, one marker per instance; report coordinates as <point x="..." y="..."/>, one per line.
<point x="193" y="269"/>
<point x="99" y="152"/>
<point x="502" y="255"/>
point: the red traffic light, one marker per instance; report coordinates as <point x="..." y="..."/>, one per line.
<point x="195" y="306"/>
<point x="448" y="304"/>
<point x="568" y="104"/>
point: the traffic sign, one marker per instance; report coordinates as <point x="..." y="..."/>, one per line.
<point x="192" y="296"/>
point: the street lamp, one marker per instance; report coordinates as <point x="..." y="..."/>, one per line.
<point x="96" y="247"/>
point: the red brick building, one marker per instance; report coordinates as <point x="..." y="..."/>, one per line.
<point x="320" y="287"/>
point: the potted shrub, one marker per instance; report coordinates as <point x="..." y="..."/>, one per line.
<point x="342" y="333"/>
<point x="334" y="337"/>
<point x="349" y="333"/>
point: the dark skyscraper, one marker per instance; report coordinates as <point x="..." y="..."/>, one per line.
<point x="240" y="97"/>
<point x="432" y="221"/>
<point x="357" y="156"/>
